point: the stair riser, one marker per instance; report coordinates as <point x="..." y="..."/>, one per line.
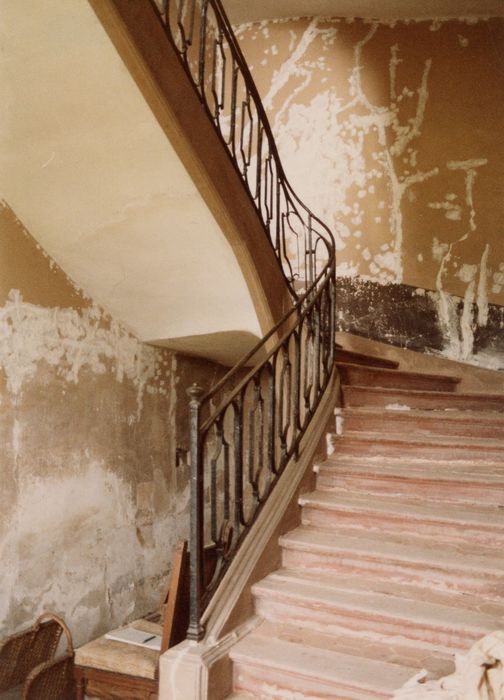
<point x="353" y="446"/>
<point x="280" y="685"/>
<point x="449" y="492"/>
<point x="390" y="525"/>
<point x="399" y="422"/>
<point x="439" y="578"/>
<point x="367" y="626"/>
<point x="369" y="377"/>
<point x="357" y="396"/>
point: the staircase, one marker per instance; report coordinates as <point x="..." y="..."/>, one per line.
<point x="399" y="560"/>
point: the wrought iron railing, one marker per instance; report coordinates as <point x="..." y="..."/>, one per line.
<point x="247" y="428"/>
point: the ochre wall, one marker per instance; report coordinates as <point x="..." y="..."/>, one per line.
<point x="394" y="134"/>
<point x="91" y="502"/>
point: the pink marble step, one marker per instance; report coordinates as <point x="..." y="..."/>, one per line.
<point x="358" y="375"/>
<point x="445" y="423"/>
<point x="329" y="605"/>
<point x="357" y="358"/>
<point x="402" y="479"/>
<point x="391" y="446"/>
<point x="398" y="559"/>
<point x="479" y="525"/>
<point x="438" y="663"/>
<point x="272" y="668"/>
<point x="354" y="396"/>
<point x="407" y="591"/>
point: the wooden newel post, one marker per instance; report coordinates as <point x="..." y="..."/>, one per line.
<point x="195" y="630"/>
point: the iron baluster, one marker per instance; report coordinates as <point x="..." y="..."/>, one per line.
<point x="252" y="444"/>
<point x="238" y="463"/>
<point x="213" y="479"/>
<point x="271" y="421"/>
<point x="195" y="630"/>
<point x="202" y="46"/>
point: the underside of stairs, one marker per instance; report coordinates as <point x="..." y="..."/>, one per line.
<point x="398" y="563"/>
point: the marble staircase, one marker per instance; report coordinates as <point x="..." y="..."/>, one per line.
<point x="398" y="562"/>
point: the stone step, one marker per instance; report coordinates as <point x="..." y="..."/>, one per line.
<point x="402" y="479"/>
<point x="399" y="559"/>
<point x="328" y="605"/>
<point x="437" y="663"/>
<point x="359" y="375"/>
<point x="273" y="668"/>
<point x="445" y="423"/>
<point x="482" y="524"/>
<point x="358" y="358"/>
<point x="354" y="396"/>
<point x="407" y="591"/>
<point x="438" y="447"/>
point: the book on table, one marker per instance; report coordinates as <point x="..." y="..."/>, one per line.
<point x="130" y="635"/>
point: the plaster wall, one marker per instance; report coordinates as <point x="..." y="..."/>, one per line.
<point x="92" y="502"/>
<point x="399" y="125"/>
<point x="88" y="168"/>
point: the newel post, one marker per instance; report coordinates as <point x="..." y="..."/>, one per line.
<point x="195" y="630"/>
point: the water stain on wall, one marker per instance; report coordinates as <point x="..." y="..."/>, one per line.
<point x="399" y="125"/>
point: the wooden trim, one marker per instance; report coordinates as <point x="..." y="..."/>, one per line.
<point x="137" y="34"/>
<point x="109" y="685"/>
<point x="174" y="596"/>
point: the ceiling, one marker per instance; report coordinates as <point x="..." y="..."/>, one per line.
<point x="86" y="167"/>
<point x="241" y="11"/>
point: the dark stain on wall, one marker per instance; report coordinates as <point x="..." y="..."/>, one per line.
<point x="404" y="316"/>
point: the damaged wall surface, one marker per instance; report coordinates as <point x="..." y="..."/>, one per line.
<point x="400" y="126"/>
<point x="91" y="503"/>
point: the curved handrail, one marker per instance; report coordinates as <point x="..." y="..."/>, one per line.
<point x="201" y="34"/>
<point x="249" y="425"/>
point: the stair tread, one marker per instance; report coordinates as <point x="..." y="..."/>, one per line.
<point x="363" y="357"/>
<point x="441" y="440"/>
<point x="437" y="662"/>
<point x="448" y="378"/>
<point x="424" y="392"/>
<point x="329" y="595"/>
<point x="492" y="474"/>
<point x="458" y="557"/>
<point x="488" y="516"/>
<point x="321" y="664"/>
<point x="444" y="414"/>
<point x="407" y="591"/>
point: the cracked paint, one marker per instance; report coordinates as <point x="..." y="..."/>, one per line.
<point x="384" y="118"/>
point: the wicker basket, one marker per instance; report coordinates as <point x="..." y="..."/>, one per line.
<point x="28" y="659"/>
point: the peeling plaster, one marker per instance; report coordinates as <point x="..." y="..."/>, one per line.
<point x="404" y="185"/>
<point x="70" y="340"/>
<point x="459" y="330"/>
<point x="335" y="131"/>
<point x="91" y="504"/>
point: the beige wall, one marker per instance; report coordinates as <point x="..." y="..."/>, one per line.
<point x="91" y="502"/>
<point x="394" y="134"/>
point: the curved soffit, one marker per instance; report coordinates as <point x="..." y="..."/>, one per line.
<point x="88" y="170"/>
